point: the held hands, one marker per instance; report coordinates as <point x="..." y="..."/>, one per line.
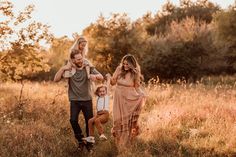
<point x="92" y="77"/>
<point x="108" y="76"/>
<point x="95" y="77"/>
<point x="108" y="79"/>
<point x="141" y="92"/>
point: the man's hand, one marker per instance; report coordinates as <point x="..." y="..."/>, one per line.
<point x="92" y="77"/>
<point x="95" y="77"/>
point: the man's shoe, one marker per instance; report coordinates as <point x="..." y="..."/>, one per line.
<point x="79" y="137"/>
<point x="89" y="147"/>
<point x="81" y="146"/>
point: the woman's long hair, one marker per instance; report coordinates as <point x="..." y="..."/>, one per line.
<point x="134" y="68"/>
<point x="76" y="44"/>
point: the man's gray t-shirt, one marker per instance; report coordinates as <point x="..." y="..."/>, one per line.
<point x="80" y="85"/>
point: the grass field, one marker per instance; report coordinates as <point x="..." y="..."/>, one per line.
<point x="177" y="120"/>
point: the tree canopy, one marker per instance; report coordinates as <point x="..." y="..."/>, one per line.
<point x="20" y="43"/>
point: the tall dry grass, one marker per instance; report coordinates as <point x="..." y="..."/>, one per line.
<point x="177" y="120"/>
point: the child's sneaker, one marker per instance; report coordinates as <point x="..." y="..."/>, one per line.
<point x="89" y="139"/>
<point x="102" y="137"/>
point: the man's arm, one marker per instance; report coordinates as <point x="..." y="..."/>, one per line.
<point x="95" y="75"/>
<point x="60" y="72"/>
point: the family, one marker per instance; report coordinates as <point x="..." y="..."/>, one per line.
<point x="127" y="99"/>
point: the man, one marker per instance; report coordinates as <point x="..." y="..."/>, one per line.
<point x="79" y="92"/>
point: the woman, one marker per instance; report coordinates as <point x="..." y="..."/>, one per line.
<point x="128" y="99"/>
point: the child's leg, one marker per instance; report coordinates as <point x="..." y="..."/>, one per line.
<point x="91" y="126"/>
<point x="88" y="71"/>
<point x="101" y="119"/>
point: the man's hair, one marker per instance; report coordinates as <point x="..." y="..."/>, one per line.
<point x="73" y="53"/>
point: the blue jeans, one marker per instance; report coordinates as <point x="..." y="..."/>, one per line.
<point x="87" y="110"/>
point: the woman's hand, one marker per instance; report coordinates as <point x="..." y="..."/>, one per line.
<point x="141" y="92"/>
<point x="118" y="69"/>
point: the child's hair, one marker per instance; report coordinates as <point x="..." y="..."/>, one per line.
<point x="98" y="88"/>
<point x="77" y="42"/>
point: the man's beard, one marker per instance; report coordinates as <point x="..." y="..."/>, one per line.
<point x="78" y="65"/>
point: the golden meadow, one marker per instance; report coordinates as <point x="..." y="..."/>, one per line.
<point x="178" y="119"/>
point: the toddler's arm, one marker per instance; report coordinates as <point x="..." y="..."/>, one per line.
<point x="108" y="77"/>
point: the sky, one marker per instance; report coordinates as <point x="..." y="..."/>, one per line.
<point x="68" y="16"/>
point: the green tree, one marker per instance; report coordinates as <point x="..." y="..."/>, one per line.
<point x="20" y="40"/>
<point x="57" y="55"/>
<point x="183" y="52"/>
<point x="59" y="52"/>
<point x="201" y="10"/>
<point x="225" y="26"/>
<point x="110" y="39"/>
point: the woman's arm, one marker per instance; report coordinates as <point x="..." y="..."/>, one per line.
<point x="115" y="75"/>
<point x="139" y="90"/>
